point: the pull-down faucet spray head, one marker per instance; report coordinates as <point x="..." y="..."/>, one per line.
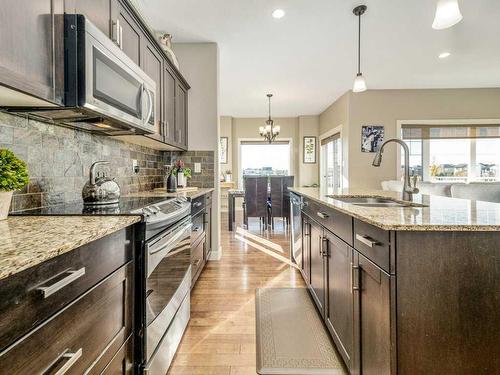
<point x="377" y="160"/>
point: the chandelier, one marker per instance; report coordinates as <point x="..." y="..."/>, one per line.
<point x="270" y="131"/>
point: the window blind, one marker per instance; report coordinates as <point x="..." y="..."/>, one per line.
<point x="329" y="139"/>
<point x="452" y="131"/>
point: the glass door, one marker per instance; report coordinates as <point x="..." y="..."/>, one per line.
<point x="331" y="162"/>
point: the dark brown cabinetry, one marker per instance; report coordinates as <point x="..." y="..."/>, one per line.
<point x="339" y="313"/>
<point x="152" y="64"/>
<point x="180" y="114"/>
<point x="30" y="55"/>
<point x="130" y="35"/>
<point x="169" y="105"/>
<point x="317" y="265"/>
<point x="201" y="234"/>
<point x="101" y="13"/>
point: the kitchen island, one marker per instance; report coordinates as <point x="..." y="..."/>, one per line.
<point x="404" y="288"/>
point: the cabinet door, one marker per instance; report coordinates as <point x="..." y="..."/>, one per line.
<point x="169" y="105"/>
<point x="99" y="12"/>
<point x="317" y="266"/>
<point x="181" y="115"/>
<point x="131" y="36"/>
<point x="152" y="64"/>
<point x="339" y="315"/>
<point x="306" y="250"/>
<point x="372" y="318"/>
<point x="208" y="231"/>
<point x="31" y="46"/>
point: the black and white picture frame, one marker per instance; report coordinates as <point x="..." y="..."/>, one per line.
<point x="309" y="150"/>
<point x="223" y="150"/>
<point x="372" y="137"/>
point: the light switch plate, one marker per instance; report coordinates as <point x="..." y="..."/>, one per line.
<point x="197" y="167"/>
<point x="135" y="167"/>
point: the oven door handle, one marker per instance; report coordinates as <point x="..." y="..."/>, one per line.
<point x="172" y="240"/>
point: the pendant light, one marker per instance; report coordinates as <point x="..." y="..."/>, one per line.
<point x="270" y="131"/>
<point x="447" y="14"/>
<point x="359" y="81"/>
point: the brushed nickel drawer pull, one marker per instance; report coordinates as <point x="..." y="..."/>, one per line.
<point x="322" y="215"/>
<point x="197" y="204"/>
<point x="196" y="262"/>
<point x="366" y="240"/>
<point x="354" y="277"/>
<point x="51" y="289"/>
<point x="70" y="358"/>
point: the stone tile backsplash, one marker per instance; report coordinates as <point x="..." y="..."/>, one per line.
<point x="205" y="179"/>
<point x="59" y="159"/>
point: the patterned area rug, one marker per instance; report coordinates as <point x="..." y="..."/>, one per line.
<point x="291" y="338"/>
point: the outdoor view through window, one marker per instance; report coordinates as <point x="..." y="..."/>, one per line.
<point x="264" y="159"/>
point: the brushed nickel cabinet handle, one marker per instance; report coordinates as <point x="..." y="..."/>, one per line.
<point x="322" y="215"/>
<point x="70" y="359"/>
<point x="115" y="31"/>
<point x="368" y="241"/>
<point x="354" y="276"/>
<point x="197" y="261"/>
<point x="51" y="289"/>
<point x="197" y="204"/>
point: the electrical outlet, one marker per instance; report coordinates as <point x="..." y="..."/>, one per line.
<point x="135" y="167"/>
<point x="197" y="167"/>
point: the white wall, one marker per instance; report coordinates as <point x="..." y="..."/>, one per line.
<point x="199" y="63"/>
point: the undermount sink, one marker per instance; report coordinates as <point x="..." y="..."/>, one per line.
<point x="375" y="202"/>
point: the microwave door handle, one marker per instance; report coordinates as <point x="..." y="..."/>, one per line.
<point x="150" y="104"/>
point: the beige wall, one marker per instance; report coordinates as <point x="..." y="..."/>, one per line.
<point x="199" y="63"/>
<point x="308" y="173"/>
<point x="386" y="107"/>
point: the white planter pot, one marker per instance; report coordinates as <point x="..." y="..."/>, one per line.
<point x="228" y="178"/>
<point x="181" y="180"/>
<point x="5" y="199"/>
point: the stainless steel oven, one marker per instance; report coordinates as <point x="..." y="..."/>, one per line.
<point x="105" y="91"/>
<point x="167" y="292"/>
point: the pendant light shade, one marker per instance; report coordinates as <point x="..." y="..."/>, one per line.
<point x="447" y="14"/>
<point x="359" y="81"/>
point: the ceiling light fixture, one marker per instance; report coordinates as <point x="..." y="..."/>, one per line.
<point x="444" y="55"/>
<point x="270" y="131"/>
<point x="278" y="13"/>
<point x="359" y="81"/>
<point x="447" y="14"/>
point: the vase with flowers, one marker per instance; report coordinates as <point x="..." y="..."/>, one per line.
<point x="182" y="173"/>
<point x="13" y="176"/>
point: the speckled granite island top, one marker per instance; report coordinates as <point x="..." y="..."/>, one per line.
<point x="437" y="214"/>
<point x="26" y="241"/>
<point x="162" y="192"/>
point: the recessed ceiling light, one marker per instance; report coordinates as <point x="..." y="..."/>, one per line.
<point x="278" y="13"/>
<point x="444" y="55"/>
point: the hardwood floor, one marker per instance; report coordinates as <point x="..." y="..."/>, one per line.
<point x="220" y="338"/>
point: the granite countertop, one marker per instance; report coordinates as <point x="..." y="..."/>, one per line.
<point x="26" y="241"/>
<point x="162" y="192"/>
<point x="437" y="213"/>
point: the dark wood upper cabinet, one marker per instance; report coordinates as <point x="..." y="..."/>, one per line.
<point x="101" y="13"/>
<point x="169" y="105"/>
<point x="131" y="37"/>
<point x="29" y="55"/>
<point x="181" y="115"/>
<point x="339" y="314"/>
<point x="152" y="64"/>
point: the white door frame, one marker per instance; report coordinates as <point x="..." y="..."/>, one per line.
<point x="322" y="176"/>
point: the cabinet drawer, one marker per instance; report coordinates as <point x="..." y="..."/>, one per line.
<point x="373" y="242"/>
<point x="33" y="295"/>
<point x="198" y="227"/>
<point x="83" y="337"/>
<point x="335" y="221"/>
<point x="197" y="259"/>
<point x="197" y="205"/>
<point x="123" y="361"/>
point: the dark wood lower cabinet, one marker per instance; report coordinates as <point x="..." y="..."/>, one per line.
<point x="371" y="318"/>
<point x="122" y="363"/>
<point x="317" y="286"/>
<point x="339" y="314"/>
<point x="83" y="337"/>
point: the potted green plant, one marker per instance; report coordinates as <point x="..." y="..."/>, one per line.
<point x="13" y="176"/>
<point x="182" y="173"/>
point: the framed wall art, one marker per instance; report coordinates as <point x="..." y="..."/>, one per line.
<point x="372" y="137"/>
<point x="223" y="150"/>
<point x="309" y="150"/>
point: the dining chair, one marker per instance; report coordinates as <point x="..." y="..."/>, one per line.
<point x="280" y="198"/>
<point x="256" y="199"/>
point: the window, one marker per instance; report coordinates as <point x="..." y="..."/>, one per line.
<point x="453" y="153"/>
<point x="331" y="159"/>
<point x="262" y="158"/>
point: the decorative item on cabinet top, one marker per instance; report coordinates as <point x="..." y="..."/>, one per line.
<point x="165" y="40"/>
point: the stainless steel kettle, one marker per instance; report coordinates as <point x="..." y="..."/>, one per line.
<point x="100" y="190"/>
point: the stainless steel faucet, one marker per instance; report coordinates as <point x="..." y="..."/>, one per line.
<point x="408" y="189"/>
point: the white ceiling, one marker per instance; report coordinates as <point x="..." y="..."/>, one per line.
<point x="308" y="58"/>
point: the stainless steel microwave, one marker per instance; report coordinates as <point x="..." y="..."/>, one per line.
<point x="105" y="91"/>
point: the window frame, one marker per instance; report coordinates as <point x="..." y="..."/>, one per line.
<point x="426" y="143"/>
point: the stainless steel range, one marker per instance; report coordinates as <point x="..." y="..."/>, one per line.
<point x="165" y="282"/>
